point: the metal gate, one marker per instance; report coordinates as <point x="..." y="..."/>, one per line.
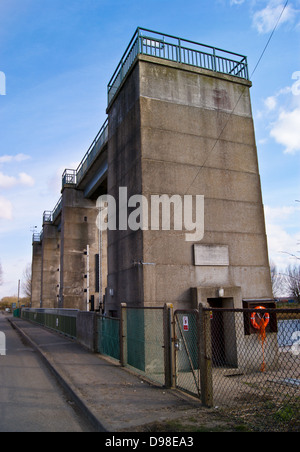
<point x="187" y="351"/>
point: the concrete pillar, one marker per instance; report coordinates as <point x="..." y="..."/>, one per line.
<point x="36" y="274"/>
<point x="79" y="235"/>
<point x="125" y="280"/>
<point x="179" y="130"/>
<point x="50" y="266"/>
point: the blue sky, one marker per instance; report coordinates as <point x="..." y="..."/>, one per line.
<point x="58" y="56"/>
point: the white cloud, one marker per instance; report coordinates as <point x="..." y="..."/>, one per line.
<point x="265" y="20"/>
<point x="278" y="242"/>
<point x="5" y="158"/>
<point x="14" y="158"/>
<point x="284" y="107"/>
<point x="286" y="130"/>
<point x="278" y="213"/>
<point x="7" y="182"/>
<point x="5" y="209"/>
<point x="271" y="103"/>
<point x="282" y="233"/>
<point x="25" y="179"/>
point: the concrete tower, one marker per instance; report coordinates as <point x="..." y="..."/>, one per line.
<point x="180" y="123"/>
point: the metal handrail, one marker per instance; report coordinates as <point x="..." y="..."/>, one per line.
<point x="69" y="177"/>
<point x="173" y="48"/>
<point x="92" y="152"/>
<point x="50" y="216"/>
<point x="57" y="209"/>
<point x="74" y="177"/>
<point x="37" y="237"/>
<point x="47" y="216"/>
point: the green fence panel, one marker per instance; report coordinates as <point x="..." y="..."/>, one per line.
<point x="136" y="338"/>
<point x="17" y="312"/>
<point x="59" y="320"/>
<point x="145" y="342"/>
<point x="109" y="337"/>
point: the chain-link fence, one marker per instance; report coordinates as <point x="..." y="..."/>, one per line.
<point x="187" y="351"/>
<point x="246" y="361"/>
<point x="256" y="362"/>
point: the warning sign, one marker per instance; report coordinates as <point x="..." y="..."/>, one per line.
<point x="185" y="323"/>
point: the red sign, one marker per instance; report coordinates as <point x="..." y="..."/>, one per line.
<point x="185" y="323"/>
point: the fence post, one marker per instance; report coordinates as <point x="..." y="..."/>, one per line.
<point x="168" y="346"/>
<point x="123" y="335"/>
<point x="205" y="357"/>
<point x="95" y="332"/>
<point x="214" y="61"/>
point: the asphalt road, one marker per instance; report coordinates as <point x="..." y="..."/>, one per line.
<point x="30" y="398"/>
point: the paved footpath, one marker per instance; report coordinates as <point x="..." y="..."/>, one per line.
<point x="113" y="398"/>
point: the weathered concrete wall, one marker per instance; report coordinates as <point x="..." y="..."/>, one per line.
<point x="125" y="281"/>
<point x="175" y="129"/>
<point x="50" y="266"/>
<point x="198" y="138"/>
<point x="59" y="261"/>
<point x="78" y="229"/>
<point x="36" y="274"/>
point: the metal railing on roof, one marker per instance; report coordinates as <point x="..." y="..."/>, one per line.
<point x="37" y="237"/>
<point x="92" y="152"/>
<point x="50" y="216"/>
<point x="172" y="48"/>
<point x="69" y="177"/>
<point x="74" y="177"/>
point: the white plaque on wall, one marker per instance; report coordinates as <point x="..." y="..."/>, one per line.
<point x="216" y="255"/>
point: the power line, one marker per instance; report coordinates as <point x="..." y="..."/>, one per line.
<point x="269" y="40"/>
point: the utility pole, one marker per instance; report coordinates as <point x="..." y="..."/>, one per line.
<point x="19" y="293"/>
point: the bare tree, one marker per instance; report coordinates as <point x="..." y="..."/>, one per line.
<point x="276" y="279"/>
<point x="26" y="281"/>
<point x="292" y="281"/>
<point x="292" y="255"/>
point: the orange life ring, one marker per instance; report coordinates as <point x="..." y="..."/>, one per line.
<point x="265" y="318"/>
